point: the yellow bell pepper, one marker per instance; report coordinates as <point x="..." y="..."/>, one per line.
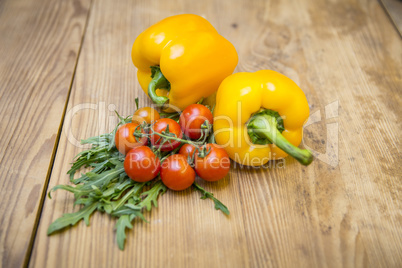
<point x="259" y="116"/>
<point x="186" y="58"/>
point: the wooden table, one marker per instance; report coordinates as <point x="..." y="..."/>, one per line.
<point x="65" y="66"/>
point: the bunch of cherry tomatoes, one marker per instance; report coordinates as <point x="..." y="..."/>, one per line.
<point x="176" y="151"/>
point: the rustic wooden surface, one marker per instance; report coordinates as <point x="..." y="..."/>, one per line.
<point x="394" y="10"/>
<point x="39" y="45"/>
<point x="344" y="210"/>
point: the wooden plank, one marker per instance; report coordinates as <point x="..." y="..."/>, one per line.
<point x="38" y="51"/>
<point x="343" y="210"/>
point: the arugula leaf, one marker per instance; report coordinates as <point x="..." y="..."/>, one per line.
<point x="85" y="160"/>
<point x="75" y="190"/>
<point x="130" y="194"/>
<point x="122" y="223"/>
<point x="72" y="218"/>
<point x="205" y="194"/>
<point x="103" y="179"/>
<point x="130" y="210"/>
<point x="152" y="195"/>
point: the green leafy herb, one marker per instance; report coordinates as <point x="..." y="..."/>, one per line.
<point x="72" y="218"/>
<point x="205" y="194"/>
<point x="122" y="223"/>
<point x="151" y="195"/>
<point x="107" y="188"/>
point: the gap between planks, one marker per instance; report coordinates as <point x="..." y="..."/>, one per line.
<point x="56" y="145"/>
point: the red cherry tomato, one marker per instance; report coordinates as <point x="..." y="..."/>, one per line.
<point x="215" y="165"/>
<point x="192" y="118"/>
<point x="176" y="173"/>
<point x="141" y="164"/>
<point x="125" y="140"/>
<point x="159" y="127"/>
<point x="147" y="113"/>
<point x="187" y="150"/>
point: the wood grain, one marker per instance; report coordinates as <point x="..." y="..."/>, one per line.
<point x="342" y="211"/>
<point x="394" y="10"/>
<point x="38" y="51"/>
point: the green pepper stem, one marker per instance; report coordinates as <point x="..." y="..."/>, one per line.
<point x="158" y="81"/>
<point x="265" y="126"/>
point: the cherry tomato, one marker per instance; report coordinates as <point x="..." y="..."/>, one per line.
<point x="159" y="127"/>
<point x="215" y="165"/>
<point x="141" y="164"/>
<point x="187" y="150"/>
<point x="147" y="113"/>
<point x="176" y="173"/>
<point x="192" y="118"/>
<point x="125" y="139"/>
<point x="138" y="120"/>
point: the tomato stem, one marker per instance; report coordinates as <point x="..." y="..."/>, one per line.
<point x="167" y="138"/>
<point x="177" y="139"/>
